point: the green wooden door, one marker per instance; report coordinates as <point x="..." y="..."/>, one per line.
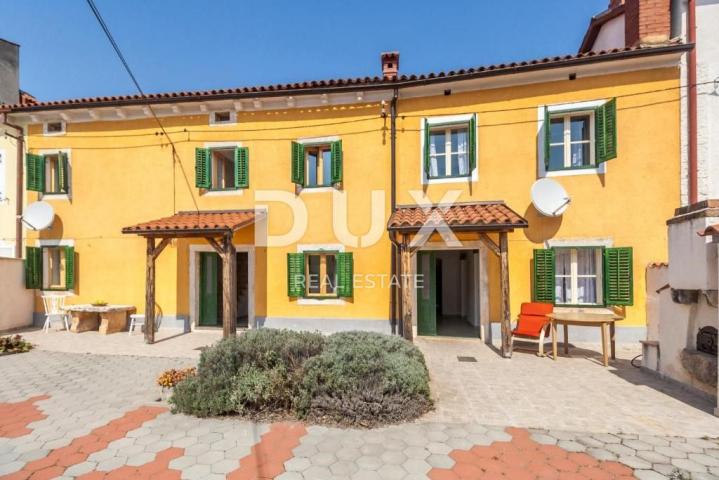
<point x="426" y="294"/>
<point x="210" y="290"/>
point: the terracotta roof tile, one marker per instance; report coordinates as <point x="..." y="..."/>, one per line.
<point x="186" y="222"/>
<point x="342" y="83"/>
<point x="479" y="216"/>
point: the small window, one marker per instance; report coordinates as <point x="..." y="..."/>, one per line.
<point x="222" y="118"/>
<point x="55" y="171"/>
<point x="56" y="263"/>
<point x="54" y="128"/>
<point x="318" y="165"/>
<point x="571" y="141"/>
<point x="223" y="169"/>
<point x="449" y="151"/>
<point x="578" y="276"/>
<point x="321" y="274"/>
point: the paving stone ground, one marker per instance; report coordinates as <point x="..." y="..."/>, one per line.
<point x="96" y="416"/>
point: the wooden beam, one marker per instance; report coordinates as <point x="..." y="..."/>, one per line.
<point x="406" y="269"/>
<point x="150" y="293"/>
<point x="504" y="280"/>
<point x="158" y="249"/>
<point x="229" y="288"/>
<point x="489" y="243"/>
<point x="220" y="249"/>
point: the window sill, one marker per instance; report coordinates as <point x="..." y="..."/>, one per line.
<point x="458" y="179"/>
<point x="582" y="308"/>
<point x="55" y="196"/>
<point x="316" y="189"/>
<point x="600" y="170"/>
<point x="224" y="193"/>
<point x="320" y="301"/>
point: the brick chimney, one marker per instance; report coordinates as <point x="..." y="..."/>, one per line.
<point x="390" y="65"/>
<point x="615" y="3"/>
<point x="647" y="22"/>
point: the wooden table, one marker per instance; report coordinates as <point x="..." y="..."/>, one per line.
<point x="605" y="321"/>
<point x="106" y="319"/>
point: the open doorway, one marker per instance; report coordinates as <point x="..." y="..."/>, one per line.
<point x="210" y="290"/>
<point x="448" y="293"/>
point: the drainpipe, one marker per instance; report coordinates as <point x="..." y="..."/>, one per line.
<point x="394" y="291"/>
<point x="19" y="184"/>
<point x="692" y="102"/>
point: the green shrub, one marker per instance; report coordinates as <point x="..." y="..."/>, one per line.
<point x="14" y="344"/>
<point x="364" y="378"/>
<point x="258" y="370"/>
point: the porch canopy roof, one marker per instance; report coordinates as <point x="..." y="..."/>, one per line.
<point x="201" y="223"/>
<point x="217" y="228"/>
<point x="472" y="216"/>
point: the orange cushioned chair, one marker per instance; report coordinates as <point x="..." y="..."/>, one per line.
<point x="533" y="324"/>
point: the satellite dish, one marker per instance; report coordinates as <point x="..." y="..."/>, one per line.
<point x="549" y="197"/>
<point x="38" y="215"/>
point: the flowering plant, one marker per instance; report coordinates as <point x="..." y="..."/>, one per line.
<point x="170" y="378"/>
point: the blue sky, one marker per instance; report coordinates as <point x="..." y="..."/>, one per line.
<point x="193" y="45"/>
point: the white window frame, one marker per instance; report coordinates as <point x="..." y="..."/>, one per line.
<point x="567" y="138"/>
<point x="58" y="196"/>
<point x="567" y="109"/>
<point x="432" y="121"/>
<point x="47" y="133"/>
<point x="231" y="121"/>
<point x="317" y="141"/>
<point x="574" y="275"/>
<point x="44" y="244"/>
<point x="228" y="192"/>
<point x="315" y="248"/>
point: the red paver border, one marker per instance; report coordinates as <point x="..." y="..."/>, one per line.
<point x="15" y="417"/>
<point x="60" y="459"/>
<point x="267" y="458"/>
<point x="524" y="459"/>
<point x="158" y="469"/>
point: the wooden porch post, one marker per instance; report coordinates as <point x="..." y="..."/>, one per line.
<point x="150" y="292"/>
<point x="504" y="279"/>
<point x="229" y="288"/>
<point x="152" y="253"/>
<point x="407" y="287"/>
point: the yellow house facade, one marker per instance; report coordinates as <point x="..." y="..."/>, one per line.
<point x="322" y="170"/>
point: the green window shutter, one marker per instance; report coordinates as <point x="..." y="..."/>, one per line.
<point x="35" y="166"/>
<point x="544" y="269"/>
<point x="33" y="267"/>
<point x="63" y="172"/>
<point x="345" y="274"/>
<point x="618" y="276"/>
<point x="426" y="147"/>
<point x="203" y="177"/>
<point x="605" y="131"/>
<point x="69" y="268"/>
<point x="472" y="143"/>
<point x="295" y="274"/>
<point x="242" y="167"/>
<point x="547" y="137"/>
<point x="336" y="148"/>
<point x="298" y="163"/>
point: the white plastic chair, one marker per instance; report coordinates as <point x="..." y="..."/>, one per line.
<point x="138" y="320"/>
<point x="54" y="310"/>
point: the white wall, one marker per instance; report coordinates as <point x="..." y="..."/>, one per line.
<point x="611" y="35"/>
<point x="8" y="177"/>
<point x="692" y="259"/>
<point x="707" y="13"/>
<point x="16" y="302"/>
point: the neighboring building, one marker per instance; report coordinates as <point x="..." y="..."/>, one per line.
<point x="9" y="94"/>
<point x="682" y="309"/>
<point x="245" y="157"/>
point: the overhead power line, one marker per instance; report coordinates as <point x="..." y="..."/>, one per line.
<point x="175" y="157"/>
